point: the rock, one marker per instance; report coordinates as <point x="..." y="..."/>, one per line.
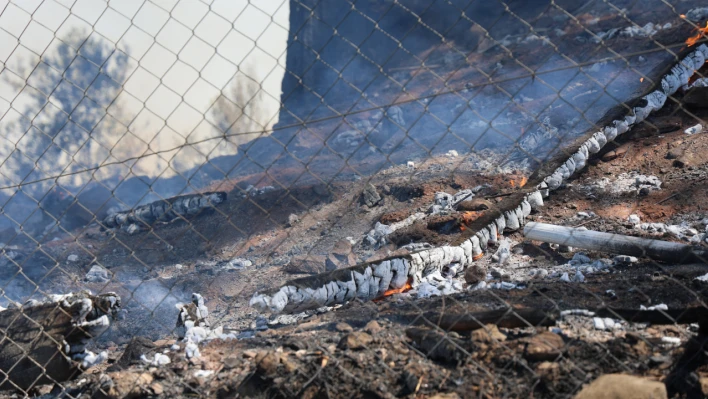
<point x="306" y="264"/>
<point x="674" y="153"/>
<point x="634" y="219"/>
<point x="72" y="258"/>
<point x="543" y="346"/>
<point x="97" y="274"/>
<point x="356" y="340"/>
<point x="237" y="263"/>
<point x="500" y="274"/>
<point x="343" y="327"/>
<point x="370" y="197"/>
<point x="475" y="273"/>
<point x="293" y="219"/>
<point x="681" y="161"/>
<point x="488" y="335"/>
<point x="548" y="371"/>
<point x="621" y="386"/>
<point x="373" y="327"/>
<point x="341" y="256"/>
<point x="617" y="152"/>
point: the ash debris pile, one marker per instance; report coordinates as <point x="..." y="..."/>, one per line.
<point x="165" y="211"/>
<point x="43" y="342"/>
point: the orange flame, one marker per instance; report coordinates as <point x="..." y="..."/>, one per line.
<point x="393" y="291"/>
<point x="477" y="257"/>
<point x="470" y="216"/>
<point x="522" y="183"/>
<point x="683" y="15"/>
<point x="694" y="39"/>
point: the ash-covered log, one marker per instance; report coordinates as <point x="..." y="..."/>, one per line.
<point x="45" y="342"/>
<point x="144" y="216"/>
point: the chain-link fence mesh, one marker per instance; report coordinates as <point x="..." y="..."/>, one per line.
<point x="162" y="157"/>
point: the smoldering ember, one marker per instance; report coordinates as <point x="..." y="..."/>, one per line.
<point x="394" y="199"/>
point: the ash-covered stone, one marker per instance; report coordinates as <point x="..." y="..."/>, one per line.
<point x="370" y="197"/>
<point x="98" y="274"/>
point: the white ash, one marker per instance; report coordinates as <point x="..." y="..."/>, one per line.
<point x="697" y="14"/>
<point x="578" y="277"/>
<point x="237" y="264"/>
<point x="683" y="231"/>
<point x="625" y="259"/>
<point x="158" y="360"/>
<point x="376" y="238"/>
<point x="661" y="306"/>
<point x="585" y="215"/>
<point x="427" y="290"/>
<point x="505" y="285"/>
<point x="90" y="359"/>
<point x="634" y="219"/>
<point x="503" y="253"/>
<point x="396" y="115"/>
<point x="671" y="340"/>
<point x="191" y="350"/>
<point x="564" y="278"/>
<point x="417" y="246"/>
<point x="694" y="129"/>
<point x="577" y="312"/>
<point x="703" y="278"/>
<point x="73" y="258"/>
<point x="203" y="373"/>
<point x="98" y="274"/>
<point x="452" y="154"/>
<point x="631" y="182"/>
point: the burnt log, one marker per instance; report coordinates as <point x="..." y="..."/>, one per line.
<point x="506" y="318"/>
<point x="165" y="211"/>
<point x="615" y="243"/>
<point x="45" y="342"/>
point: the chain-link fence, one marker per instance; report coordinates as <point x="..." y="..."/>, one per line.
<point x="368" y="198"/>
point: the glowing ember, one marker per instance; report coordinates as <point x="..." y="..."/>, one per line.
<point x="520" y="184"/>
<point x="641" y="79"/>
<point x="393" y="291"/>
<point x="477" y="257"/>
<point x="683" y="15"/>
<point x="470" y="216"/>
<point x="693" y="39"/>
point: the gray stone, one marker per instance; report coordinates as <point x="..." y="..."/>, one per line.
<point x="370" y="197"/>
<point x="98" y="274"/>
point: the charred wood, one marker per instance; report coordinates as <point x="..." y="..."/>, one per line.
<point x="165" y="211"/>
<point x="45" y="342"/>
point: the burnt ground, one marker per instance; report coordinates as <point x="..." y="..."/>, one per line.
<point x="341" y="352"/>
<point x="391" y="348"/>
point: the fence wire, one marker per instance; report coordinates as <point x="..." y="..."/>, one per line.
<point x="168" y="160"/>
